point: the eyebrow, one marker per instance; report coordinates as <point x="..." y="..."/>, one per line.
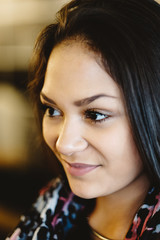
<point x="81" y="102"/>
<point x="88" y="100"/>
<point x="47" y="98"/>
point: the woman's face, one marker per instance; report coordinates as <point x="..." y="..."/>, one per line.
<point x="85" y="124"/>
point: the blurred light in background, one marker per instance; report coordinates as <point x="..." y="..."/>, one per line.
<point x="21" y="20"/>
<point x="14" y="126"/>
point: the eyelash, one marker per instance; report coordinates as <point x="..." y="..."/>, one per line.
<point x="45" y="108"/>
<point x="90" y="114"/>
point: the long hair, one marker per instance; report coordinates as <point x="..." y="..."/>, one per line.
<point x="126" y="34"/>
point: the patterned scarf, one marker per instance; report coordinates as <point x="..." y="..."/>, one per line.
<point x="58" y="215"/>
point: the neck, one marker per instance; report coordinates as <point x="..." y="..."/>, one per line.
<point x="114" y="213"/>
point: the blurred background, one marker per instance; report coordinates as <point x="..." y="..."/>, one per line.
<point x="24" y="167"/>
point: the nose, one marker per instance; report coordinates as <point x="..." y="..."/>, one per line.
<point x="70" y="140"/>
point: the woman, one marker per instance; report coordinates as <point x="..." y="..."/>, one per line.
<point x="96" y="76"/>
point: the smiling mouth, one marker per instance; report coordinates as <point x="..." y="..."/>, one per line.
<point x="79" y="169"/>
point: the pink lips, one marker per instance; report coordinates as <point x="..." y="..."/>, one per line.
<point x="80" y="169"/>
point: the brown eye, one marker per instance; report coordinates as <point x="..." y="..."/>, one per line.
<point x="95" y="116"/>
<point x="50" y="111"/>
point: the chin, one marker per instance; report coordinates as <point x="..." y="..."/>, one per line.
<point x="84" y="195"/>
<point x="83" y="191"/>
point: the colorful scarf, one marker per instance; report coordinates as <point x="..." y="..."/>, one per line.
<point x="58" y="211"/>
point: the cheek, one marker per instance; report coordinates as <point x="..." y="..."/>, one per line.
<point x="111" y="140"/>
<point x="117" y="146"/>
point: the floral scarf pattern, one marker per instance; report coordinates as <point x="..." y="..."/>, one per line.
<point x="57" y="211"/>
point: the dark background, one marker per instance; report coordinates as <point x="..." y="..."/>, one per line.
<point x="22" y="175"/>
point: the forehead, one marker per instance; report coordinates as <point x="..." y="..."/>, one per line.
<point x="73" y="68"/>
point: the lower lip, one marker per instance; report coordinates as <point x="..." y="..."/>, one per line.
<point x="80" y="170"/>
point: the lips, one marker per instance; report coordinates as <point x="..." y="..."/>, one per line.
<point x="79" y="169"/>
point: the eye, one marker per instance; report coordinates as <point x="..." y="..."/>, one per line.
<point x="50" y="111"/>
<point x="96" y="116"/>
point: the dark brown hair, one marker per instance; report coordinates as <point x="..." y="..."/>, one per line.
<point x="126" y="35"/>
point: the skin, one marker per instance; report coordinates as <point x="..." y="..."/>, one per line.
<point x="117" y="179"/>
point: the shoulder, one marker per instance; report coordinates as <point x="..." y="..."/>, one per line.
<point x="56" y="198"/>
<point x="54" y="213"/>
<point x="49" y="196"/>
<point x="152" y="210"/>
<point x="147" y="220"/>
<point x="155" y="217"/>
